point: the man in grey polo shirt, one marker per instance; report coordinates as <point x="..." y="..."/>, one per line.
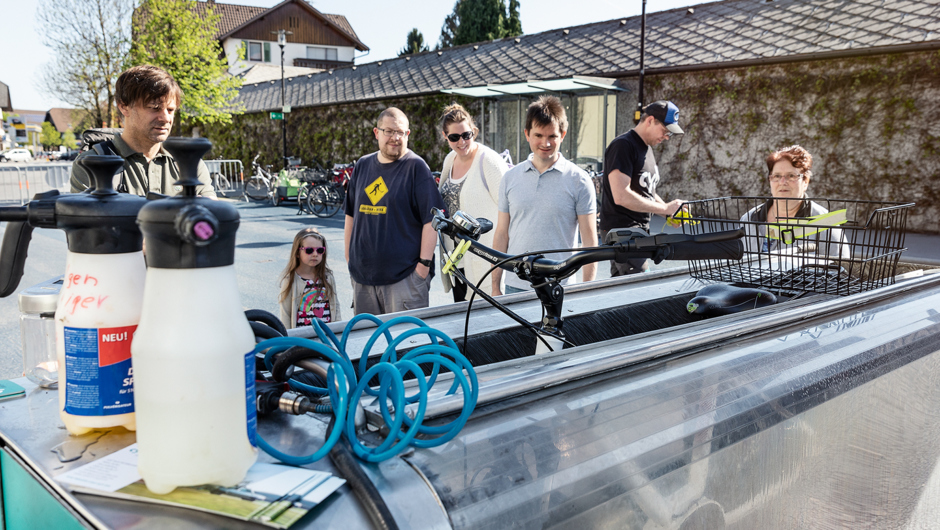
<point x="545" y="201"/>
<point x="148" y="98"/>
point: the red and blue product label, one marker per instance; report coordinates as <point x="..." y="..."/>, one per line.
<point x="98" y="371"/>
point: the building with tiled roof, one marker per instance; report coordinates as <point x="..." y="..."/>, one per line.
<point x="317" y="40"/>
<point x="854" y="81"/>
<point x="64" y="119"/>
<point x="731" y="33"/>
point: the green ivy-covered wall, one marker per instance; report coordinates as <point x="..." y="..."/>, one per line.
<point x="337" y="134"/>
<point x="872" y="125"/>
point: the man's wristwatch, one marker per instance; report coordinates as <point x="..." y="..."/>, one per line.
<point x="426" y="262"/>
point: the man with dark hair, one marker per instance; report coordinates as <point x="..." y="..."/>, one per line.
<point x="545" y="201"/>
<point x="388" y="235"/>
<point x="631" y="176"/>
<point x="147" y="98"/>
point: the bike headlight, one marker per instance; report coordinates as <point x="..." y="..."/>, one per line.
<point x="466" y="223"/>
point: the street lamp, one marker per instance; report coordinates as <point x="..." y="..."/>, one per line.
<point x="282" y="41"/>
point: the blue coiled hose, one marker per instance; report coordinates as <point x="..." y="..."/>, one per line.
<point x="345" y="388"/>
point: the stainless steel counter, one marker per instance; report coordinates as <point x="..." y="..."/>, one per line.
<point x="31" y="432"/>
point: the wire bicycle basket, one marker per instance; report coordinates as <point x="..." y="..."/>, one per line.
<point x="830" y="246"/>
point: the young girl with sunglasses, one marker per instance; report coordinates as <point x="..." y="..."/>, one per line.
<point x="307" y="287"/>
<point x="469" y="182"/>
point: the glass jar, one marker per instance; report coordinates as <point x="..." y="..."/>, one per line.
<point x="37" y="330"/>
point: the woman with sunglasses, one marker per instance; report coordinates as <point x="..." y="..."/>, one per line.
<point x="307" y="287"/>
<point x="789" y="173"/>
<point x="469" y="182"/>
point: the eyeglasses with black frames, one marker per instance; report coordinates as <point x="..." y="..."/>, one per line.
<point x="311" y="250"/>
<point x="389" y="133"/>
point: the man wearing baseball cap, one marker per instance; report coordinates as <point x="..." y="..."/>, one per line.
<point x="631" y="176"/>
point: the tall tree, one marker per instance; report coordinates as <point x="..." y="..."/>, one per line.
<point x="514" y="27"/>
<point x="414" y="43"/>
<point x="449" y="29"/>
<point x="479" y="21"/>
<point x="171" y="35"/>
<point x="89" y="41"/>
<point x="68" y="140"/>
<point x="49" y="137"/>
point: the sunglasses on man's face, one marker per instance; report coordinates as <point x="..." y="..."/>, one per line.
<point x="311" y="250"/>
<point x="456" y="137"/>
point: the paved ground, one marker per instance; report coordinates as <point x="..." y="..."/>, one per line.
<point x="264" y="239"/>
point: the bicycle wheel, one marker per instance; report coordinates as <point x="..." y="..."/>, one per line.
<point x="325" y="200"/>
<point x="257" y="189"/>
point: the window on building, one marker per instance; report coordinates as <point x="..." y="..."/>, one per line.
<point x="258" y="51"/>
<point x="327" y="54"/>
<point x="591" y="137"/>
<point x="588" y="131"/>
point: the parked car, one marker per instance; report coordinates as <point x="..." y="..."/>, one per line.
<point x="69" y="155"/>
<point x="16" y="155"/>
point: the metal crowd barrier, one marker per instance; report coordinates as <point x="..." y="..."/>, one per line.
<point x="19" y="182"/>
<point x="228" y="178"/>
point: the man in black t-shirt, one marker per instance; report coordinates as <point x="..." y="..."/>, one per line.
<point x="388" y="235"/>
<point x="631" y="176"/>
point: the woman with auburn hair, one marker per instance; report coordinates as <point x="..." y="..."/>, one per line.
<point x="469" y="182"/>
<point x="789" y="172"/>
<point x="307" y="287"/>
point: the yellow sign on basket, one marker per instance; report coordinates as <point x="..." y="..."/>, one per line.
<point x="799" y="229"/>
<point x="376" y="190"/>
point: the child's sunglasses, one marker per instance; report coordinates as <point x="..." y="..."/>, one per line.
<point x="310" y="250"/>
<point x="456" y="137"/>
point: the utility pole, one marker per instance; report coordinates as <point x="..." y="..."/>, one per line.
<point x="639" y="103"/>
<point x="282" y="41"/>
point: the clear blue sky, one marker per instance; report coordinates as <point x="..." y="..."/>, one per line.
<point x="381" y="24"/>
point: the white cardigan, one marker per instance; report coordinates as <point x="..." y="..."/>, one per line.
<point x="479" y="202"/>
<point x="290" y="304"/>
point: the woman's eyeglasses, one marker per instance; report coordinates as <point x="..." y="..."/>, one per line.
<point x="457" y="137"/>
<point x="787" y="177"/>
<point x="311" y="250"/>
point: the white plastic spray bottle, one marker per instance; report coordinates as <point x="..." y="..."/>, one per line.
<point x="101" y="295"/>
<point x="194" y="350"/>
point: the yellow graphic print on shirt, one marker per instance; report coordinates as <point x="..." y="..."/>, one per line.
<point x="375" y="191"/>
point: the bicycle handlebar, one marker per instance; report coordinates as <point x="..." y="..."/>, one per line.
<point x="714" y="245"/>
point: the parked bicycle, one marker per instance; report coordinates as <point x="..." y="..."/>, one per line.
<point x="324" y="196"/>
<point x="262" y="186"/>
<point x="310" y="179"/>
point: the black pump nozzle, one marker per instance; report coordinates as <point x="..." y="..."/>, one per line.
<point x="186" y="231"/>
<point x="103" y="169"/>
<point x="101" y="221"/>
<point x="188" y="152"/>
